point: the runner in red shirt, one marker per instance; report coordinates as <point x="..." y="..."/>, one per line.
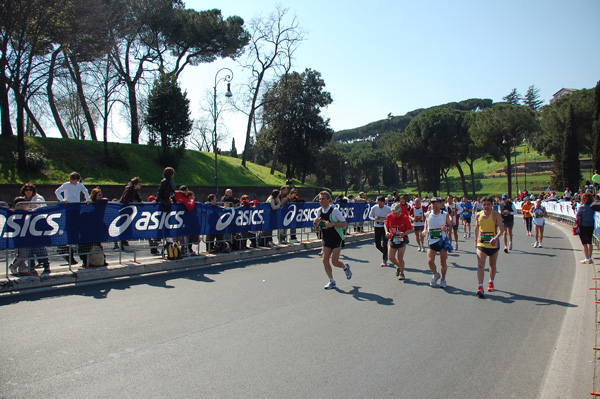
<point x="397" y="228"/>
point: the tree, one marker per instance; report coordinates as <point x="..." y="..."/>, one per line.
<point x="292" y="112"/>
<point x="234" y="153"/>
<point x="532" y="98"/>
<point x="554" y="124"/>
<point x="271" y="48"/>
<point x="149" y="32"/>
<point x="168" y="115"/>
<point x="596" y="129"/>
<point x="513" y="98"/>
<point x="569" y="174"/>
<point x="503" y="125"/>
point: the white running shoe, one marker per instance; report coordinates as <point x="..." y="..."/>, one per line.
<point x="539" y="245"/>
<point x="348" y="271"/>
<point x="419" y="248"/>
<point x="535" y="244"/>
<point x="330" y="285"/>
<point x="443" y="283"/>
<point x="434" y="280"/>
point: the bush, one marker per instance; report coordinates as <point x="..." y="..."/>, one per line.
<point x="117" y="158"/>
<point x="172" y="157"/>
<point x="34" y="161"/>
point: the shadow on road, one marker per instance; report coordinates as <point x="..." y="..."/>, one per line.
<point x="511" y="298"/>
<point x="366" y="296"/>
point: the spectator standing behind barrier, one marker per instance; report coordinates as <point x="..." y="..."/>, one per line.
<point x="228" y="199"/>
<point x="585" y="223"/>
<point x="275" y="202"/>
<point x="36" y="201"/>
<point x="166" y="189"/>
<point x="23" y="264"/>
<point x="294" y="198"/>
<point x="92" y="253"/>
<point x="284" y="196"/>
<point x="181" y="197"/>
<point x="70" y="192"/>
<point x="361" y="198"/>
<point x="130" y="194"/>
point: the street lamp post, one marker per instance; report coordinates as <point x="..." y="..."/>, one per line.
<point x="227" y="78"/>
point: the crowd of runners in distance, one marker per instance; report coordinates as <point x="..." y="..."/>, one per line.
<point x="435" y="223"/>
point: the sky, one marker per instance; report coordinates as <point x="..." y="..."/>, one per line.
<point x="384" y="57"/>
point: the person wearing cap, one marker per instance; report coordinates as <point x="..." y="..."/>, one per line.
<point x="488" y="229"/>
<point x="527" y="215"/>
<point x="417" y="217"/>
<point x="378" y="214"/>
<point x="508" y="210"/>
<point x="397" y="228"/>
<point x="436" y="231"/>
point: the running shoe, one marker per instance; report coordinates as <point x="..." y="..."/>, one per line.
<point x="465" y="235"/>
<point x="535" y="244"/>
<point x="490" y="286"/>
<point x="585" y="261"/>
<point x="505" y="250"/>
<point x="14" y="269"/>
<point x="348" y="271"/>
<point x="402" y="277"/>
<point x="383" y="264"/>
<point x="330" y="285"/>
<point x="539" y="245"/>
<point x="479" y="292"/>
<point x="510" y="246"/>
<point x="419" y="248"/>
<point x="31" y="272"/>
<point x="456" y="247"/>
<point x="443" y="283"/>
<point x="434" y="280"/>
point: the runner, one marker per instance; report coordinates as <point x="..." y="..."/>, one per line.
<point x="332" y="223"/>
<point x="527" y="215"/>
<point x="397" y="229"/>
<point x="455" y="211"/>
<point x="508" y="210"/>
<point x="539" y="213"/>
<point x="488" y="229"/>
<point x="585" y="223"/>
<point x="466" y="216"/>
<point x="436" y="229"/>
<point x="378" y="214"/>
<point x="417" y="215"/>
<point x="404" y="205"/>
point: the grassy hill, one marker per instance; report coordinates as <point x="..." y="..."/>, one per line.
<point x="126" y="160"/>
<point x="197" y="168"/>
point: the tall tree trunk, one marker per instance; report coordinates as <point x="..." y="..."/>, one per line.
<point x="445" y="174"/>
<point x="133" y="109"/>
<point x="509" y="173"/>
<point x="34" y="120"/>
<point x="251" y="118"/>
<point x="76" y="75"/>
<point x="462" y="178"/>
<point x="472" y="177"/>
<point x="51" y="101"/>
<point x="20" y="126"/>
<point x="4" y="102"/>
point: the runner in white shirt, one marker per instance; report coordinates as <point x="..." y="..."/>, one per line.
<point x="417" y="217"/>
<point x="378" y="214"/>
<point x="436" y="227"/>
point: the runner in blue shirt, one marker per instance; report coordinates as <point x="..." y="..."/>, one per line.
<point x="467" y="212"/>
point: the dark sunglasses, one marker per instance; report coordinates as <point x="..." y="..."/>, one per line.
<point x="28" y="189"/>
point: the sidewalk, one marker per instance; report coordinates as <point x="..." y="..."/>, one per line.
<point x="135" y="263"/>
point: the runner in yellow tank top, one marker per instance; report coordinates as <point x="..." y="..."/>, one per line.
<point x="488" y="229"/>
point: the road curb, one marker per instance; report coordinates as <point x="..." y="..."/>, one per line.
<point x="16" y="285"/>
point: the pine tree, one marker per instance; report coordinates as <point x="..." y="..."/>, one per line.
<point x="234" y="153"/>
<point x="168" y="115"/>
<point x="513" y="98"/>
<point x="532" y="98"/>
<point x="596" y="129"/>
<point x="570" y="154"/>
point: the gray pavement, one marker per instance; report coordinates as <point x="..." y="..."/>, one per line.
<point x="265" y="328"/>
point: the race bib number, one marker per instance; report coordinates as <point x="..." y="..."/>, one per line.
<point x="437" y="233"/>
<point x="418" y="218"/>
<point x="486" y="238"/>
<point x="539" y="215"/>
<point x="397" y="240"/>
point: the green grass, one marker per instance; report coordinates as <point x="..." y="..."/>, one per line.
<point x="126" y="161"/>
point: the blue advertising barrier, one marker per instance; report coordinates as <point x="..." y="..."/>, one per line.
<point x="70" y="224"/>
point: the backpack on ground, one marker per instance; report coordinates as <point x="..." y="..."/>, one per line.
<point x="171" y="251"/>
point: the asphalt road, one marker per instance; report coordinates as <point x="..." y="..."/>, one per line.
<point x="269" y="330"/>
